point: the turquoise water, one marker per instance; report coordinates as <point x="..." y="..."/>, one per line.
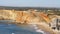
<point x="13" y="29"/>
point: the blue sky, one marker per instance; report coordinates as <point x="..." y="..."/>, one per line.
<point x="30" y="3"/>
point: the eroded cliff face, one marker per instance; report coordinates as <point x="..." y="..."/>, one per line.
<point x="27" y="17"/>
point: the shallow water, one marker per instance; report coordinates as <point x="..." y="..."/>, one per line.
<point x="14" y="29"/>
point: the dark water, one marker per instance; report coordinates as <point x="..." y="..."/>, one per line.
<point x="13" y="29"/>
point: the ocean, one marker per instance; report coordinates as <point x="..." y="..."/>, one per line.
<point x="14" y="29"/>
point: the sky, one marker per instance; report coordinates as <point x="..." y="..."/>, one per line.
<point x="30" y="3"/>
